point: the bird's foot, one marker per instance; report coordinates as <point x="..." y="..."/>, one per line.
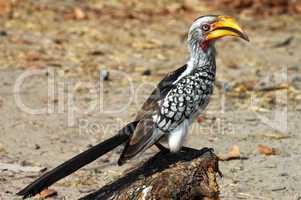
<point x="188" y="149"/>
<point x="206" y="149"/>
<point x="162" y="148"/>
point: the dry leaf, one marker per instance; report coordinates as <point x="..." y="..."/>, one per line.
<point x="48" y="193"/>
<point x="298" y="7"/>
<point x="234" y="153"/>
<point x="200" y="120"/>
<point x="79" y="14"/>
<point x="266" y="150"/>
<point x="241" y="88"/>
<point x="5" y="7"/>
<point x="32" y="56"/>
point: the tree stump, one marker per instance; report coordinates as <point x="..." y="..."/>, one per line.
<point x="189" y="174"/>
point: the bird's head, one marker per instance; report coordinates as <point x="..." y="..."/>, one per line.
<point x="205" y="30"/>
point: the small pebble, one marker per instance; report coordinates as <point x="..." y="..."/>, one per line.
<point x="25" y="163"/>
<point x="284" y="174"/>
<point x="227" y="87"/>
<point x="36" y="147"/>
<point x="3" y="33"/>
<point x="97" y="53"/>
<point x="104" y="75"/>
<point x="147" y="72"/>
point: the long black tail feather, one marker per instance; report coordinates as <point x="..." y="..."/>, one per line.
<point x="78" y="161"/>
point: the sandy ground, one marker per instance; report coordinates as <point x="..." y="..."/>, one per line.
<point x="55" y="55"/>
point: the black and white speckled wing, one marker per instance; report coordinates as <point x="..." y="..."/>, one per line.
<point x="186" y="100"/>
<point x="144" y="135"/>
<point x="159" y="93"/>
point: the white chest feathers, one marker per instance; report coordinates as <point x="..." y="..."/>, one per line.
<point x="176" y="137"/>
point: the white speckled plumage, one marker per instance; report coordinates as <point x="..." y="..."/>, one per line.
<point x="183" y="94"/>
<point x="190" y="92"/>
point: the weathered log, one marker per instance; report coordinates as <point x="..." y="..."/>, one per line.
<point x="189" y="174"/>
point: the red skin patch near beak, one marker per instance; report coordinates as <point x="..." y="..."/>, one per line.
<point x="204" y="45"/>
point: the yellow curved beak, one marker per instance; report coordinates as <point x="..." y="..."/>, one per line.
<point x="226" y="26"/>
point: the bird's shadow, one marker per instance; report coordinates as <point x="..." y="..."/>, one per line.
<point x="157" y="163"/>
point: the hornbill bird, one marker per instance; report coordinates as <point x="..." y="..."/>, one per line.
<point x="166" y="115"/>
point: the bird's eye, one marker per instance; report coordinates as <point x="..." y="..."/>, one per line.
<point x="205" y="27"/>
